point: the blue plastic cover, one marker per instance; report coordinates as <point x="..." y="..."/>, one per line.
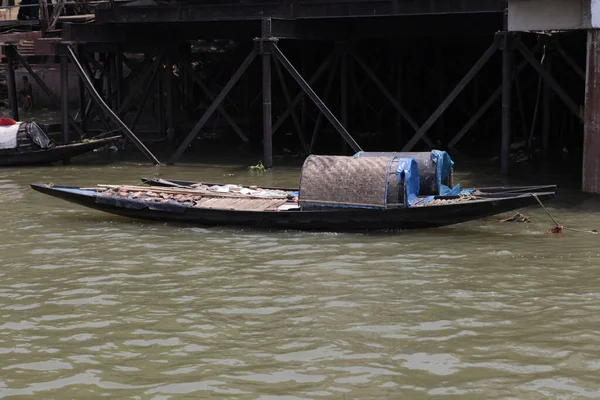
<point x="444" y="166"/>
<point x="408" y="171"/>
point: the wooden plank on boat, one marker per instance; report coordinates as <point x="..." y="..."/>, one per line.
<point x="172" y="190"/>
<point x="239" y="204"/>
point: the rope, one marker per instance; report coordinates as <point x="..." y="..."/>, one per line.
<point x="593" y="232"/>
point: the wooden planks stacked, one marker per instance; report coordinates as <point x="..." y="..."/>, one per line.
<point x="200" y="198"/>
<point x="240" y="204"/>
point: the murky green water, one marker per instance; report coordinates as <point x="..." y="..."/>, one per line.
<point x="97" y="305"/>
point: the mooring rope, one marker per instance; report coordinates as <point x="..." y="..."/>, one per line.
<point x="593" y="232"/>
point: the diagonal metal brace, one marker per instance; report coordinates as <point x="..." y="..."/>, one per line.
<point x="221" y="109"/>
<point x="571" y="105"/>
<point x="452" y="96"/>
<point x="215" y="104"/>
<point x="94" y="94"/>
<point x="314" y="97"/>
<point x="387" y="93"/>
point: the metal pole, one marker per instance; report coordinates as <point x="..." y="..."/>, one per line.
<point x="64" y="96"/>
<point x="313" y="96"/>
<point x="506" y="96"/>
<point x="267" y="110"/>
<point x="12" y="86"/>
<point x="92" y="90"/>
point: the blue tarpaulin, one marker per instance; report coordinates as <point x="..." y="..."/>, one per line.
<point x="407" y="171"/>
<point x="444" y="166"/>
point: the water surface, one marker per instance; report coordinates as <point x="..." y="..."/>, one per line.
<point x="97" y="305"/>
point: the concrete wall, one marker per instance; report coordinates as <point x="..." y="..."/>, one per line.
<point x="542" y="15"/>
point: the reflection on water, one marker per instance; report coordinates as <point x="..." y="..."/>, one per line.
<point x="99" y="305"/>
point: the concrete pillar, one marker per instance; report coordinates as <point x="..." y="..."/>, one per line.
<point x="591" y="141"/>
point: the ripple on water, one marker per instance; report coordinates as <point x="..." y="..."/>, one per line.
<point x="98" y="306"/>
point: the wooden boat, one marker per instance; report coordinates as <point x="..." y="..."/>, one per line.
<point x="160" y="182"/>
<point x="27" y="144"/>
<point x="57" y="153"/>
<point x="284" y="213"/>
<point x="335" y="194"/>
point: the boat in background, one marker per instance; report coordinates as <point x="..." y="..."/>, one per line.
<point x="26" y="143"/>
<point x="336" y="193"/>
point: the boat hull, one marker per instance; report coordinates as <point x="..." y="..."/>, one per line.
<point x="491" y="189"/>
<point x="58" y="153"/>
<point x="313" y="220"/>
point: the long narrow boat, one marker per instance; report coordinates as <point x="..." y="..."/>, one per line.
<point x="283" y="213"/>
<point x="335" y="193"/>
<point x="54" y="154"/>
<point x="161" y="182"/>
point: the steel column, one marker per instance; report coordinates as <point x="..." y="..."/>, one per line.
<point x="506" y="97"/>
<point x="64" y="96"/>
<point x="267" y="111"/>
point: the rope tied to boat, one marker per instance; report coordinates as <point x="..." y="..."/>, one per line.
<point x="559" y="228"/>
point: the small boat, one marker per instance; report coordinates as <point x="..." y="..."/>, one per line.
<point x="161" y="182"/>
<point x="335" y="194"/>
<point x="25" y="143"/>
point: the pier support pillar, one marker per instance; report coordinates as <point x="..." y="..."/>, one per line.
<point x="591" y="141"/>
<point x="12" y="86"/>
<point x="265" y="52"/>
<point x="506" y="103"/>
<point x="64" y="96"/>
